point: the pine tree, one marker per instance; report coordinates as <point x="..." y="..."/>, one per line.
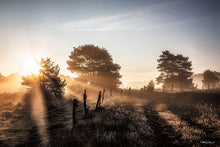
<point x="175" y="70"/>
<point x="48" y="78"/>
<point x="95" y="66"/>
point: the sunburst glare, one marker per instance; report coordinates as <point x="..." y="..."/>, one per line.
<point x="31" y="66"/>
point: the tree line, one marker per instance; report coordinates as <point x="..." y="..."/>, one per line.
<point x="95" y="67"/>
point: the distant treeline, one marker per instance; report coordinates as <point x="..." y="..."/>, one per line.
<point x="95" y="68"/>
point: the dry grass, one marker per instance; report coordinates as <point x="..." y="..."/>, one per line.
<point x="126" y="120"/>
<point x="189" y="133"/>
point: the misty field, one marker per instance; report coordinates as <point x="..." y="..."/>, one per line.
<point x="151" y="119"/>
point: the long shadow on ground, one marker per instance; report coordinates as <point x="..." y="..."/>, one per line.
<point x="209" y="131"/>
<point x="165" y="134"/>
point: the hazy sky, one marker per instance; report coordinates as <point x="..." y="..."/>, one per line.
<point x="133" y="31"/>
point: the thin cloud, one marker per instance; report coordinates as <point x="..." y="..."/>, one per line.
<point x="146" y="18"/>
<point x="127" y="21"/>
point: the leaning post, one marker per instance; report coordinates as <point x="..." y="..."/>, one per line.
<point x="84" y="102"/>
<point x="98" y="101"/>
<point x="103" y="95"/>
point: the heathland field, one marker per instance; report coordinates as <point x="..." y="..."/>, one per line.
<point x="150" y="119"/>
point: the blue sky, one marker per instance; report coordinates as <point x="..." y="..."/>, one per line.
<point x="133" y="31"/>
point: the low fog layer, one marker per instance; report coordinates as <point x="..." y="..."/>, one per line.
<point x="11" y="83"/>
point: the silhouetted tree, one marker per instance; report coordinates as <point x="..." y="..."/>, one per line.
<point x="174" y="70"/>
<point x="48" y="78"/>
<point x="210" y="79"/>
<point x="150" y="86"/>
<point x="95" y="66"/>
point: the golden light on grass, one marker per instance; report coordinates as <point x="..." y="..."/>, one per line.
<point x="188" y="132"/>
<point x="39" y="113"/>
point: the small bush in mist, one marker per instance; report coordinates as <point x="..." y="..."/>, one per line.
<point x="150" y="86"/>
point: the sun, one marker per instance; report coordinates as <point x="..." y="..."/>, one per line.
<point x="31" y="66"/>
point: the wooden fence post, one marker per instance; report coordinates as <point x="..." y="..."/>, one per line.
<point x="103" y="95"/>
<point x="84" y="102"/>
<point x="129" y="91"/>
<point x="172" y="88"/>
<point x="98" y="101"/>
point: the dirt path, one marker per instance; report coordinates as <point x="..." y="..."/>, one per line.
<point x="209" y="132"/>
<point x="165" y="134"/>
<point x="172" y="130"/>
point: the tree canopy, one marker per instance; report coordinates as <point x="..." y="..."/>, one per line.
<point x="209" y="78"/>
<point x="174" y="70"/>
<point x="95" y="66"/>
<point x="48" y="78"/>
